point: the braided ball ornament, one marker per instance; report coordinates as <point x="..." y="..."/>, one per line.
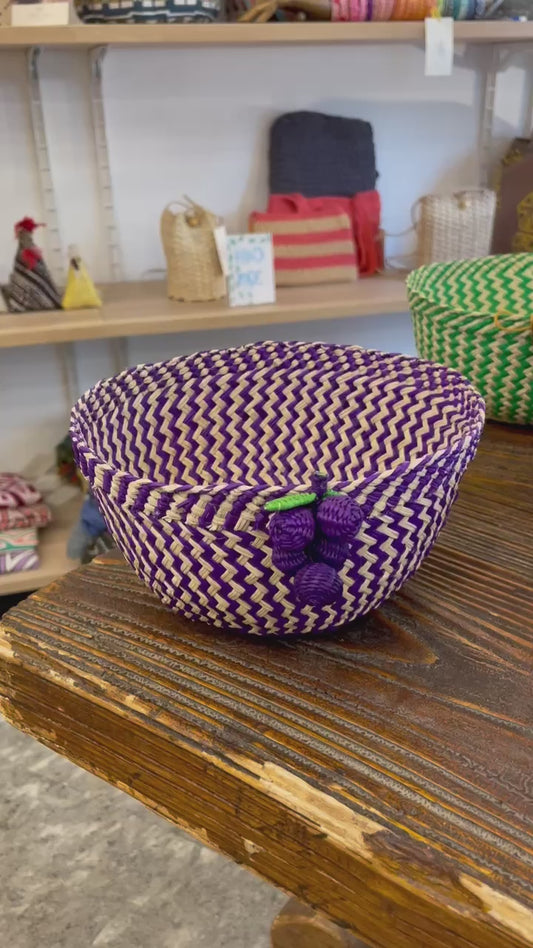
<point x="331" y="552"/>
<point x="289" y="561"/>
<point x="311" y="535"/>
<point x="317" y="584"/>
<point x="292" y="530"/>
<point x="339" y="517"/>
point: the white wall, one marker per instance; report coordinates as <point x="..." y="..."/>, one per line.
<point x="196" y="122"/>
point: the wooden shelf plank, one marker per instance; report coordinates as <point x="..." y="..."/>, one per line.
<point x="252" y="34"/>
<point x="142" y="309"/>
<point x="52" y="553"/>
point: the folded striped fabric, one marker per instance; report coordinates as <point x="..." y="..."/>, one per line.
<point x="310" y="245"/>
<point x="15" y="491"/>
<point x="18" y="562"/>
<point x="39" y="515"/>
<point x="363" y="211"/>
<point x="19" y="539"/>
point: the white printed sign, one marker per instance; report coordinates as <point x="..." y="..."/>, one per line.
<point x="250" y="270"/>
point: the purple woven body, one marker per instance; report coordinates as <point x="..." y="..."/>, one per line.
<point x="183" y="456"/>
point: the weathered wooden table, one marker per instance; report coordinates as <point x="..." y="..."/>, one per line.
<point x="383" y="776"/>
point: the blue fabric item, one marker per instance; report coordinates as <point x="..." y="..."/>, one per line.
<point x="91" y="519"/>
<point x="78" y="542"/>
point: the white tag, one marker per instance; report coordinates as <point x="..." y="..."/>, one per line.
<point x="40" y="14"/>
<point x="439" y="46"/>
<point x="221" y="240"/>
<point x="250" y="270"/>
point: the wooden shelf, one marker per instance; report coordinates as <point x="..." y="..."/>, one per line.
<point x="252" y="34"/>
<point x="142" y="309"/>
<point x="52" y="553"/>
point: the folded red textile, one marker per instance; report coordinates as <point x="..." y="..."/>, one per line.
<point x="364" y="212"/>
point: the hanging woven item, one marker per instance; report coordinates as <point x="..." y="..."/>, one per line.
<point x="31" y="287"/>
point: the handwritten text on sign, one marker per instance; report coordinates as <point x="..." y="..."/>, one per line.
<point x="250" y="269"/>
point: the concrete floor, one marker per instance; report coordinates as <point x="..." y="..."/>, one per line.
<point x="82" y="865"/>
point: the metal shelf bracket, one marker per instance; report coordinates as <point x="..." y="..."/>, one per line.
<point x="56" y="258"/>
<point x="42" y="159"/>
<point x="114" y="255"/>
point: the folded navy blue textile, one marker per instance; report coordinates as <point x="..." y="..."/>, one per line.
<point x="321" y="155"/>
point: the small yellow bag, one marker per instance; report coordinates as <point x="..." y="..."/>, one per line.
<point x="80" y="291"/>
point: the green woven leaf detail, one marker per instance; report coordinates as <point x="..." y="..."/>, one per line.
<point x="289" y="502"/>
<point x="333" y="493"/>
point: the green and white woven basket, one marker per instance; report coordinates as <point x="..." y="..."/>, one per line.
<point x="476" y="316"/>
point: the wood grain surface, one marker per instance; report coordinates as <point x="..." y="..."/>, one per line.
<point x="382" y="776"/>
<point x="253" y="34"/>
<point x="299" y="926"/>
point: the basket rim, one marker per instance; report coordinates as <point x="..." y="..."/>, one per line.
<point x="485" y="319"/>
<point x="208" y="504"/>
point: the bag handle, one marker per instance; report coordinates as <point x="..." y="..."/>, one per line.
<point x="193" y="211"/>
<point x="415" y="219"/>
<point x="512" y="329"/>
<point x="261" y="12"/>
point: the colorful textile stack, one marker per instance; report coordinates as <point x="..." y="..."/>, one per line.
<point x="324" y="210"/>
<point x="22" y="512"/>
<point x="357" y="11"/>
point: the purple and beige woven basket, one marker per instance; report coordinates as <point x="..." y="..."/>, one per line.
<point x="205" y="468"/>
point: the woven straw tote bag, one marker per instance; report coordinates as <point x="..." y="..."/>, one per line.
<point x="477" y="316"/>
<point x="205" y="468"/>
<point x="454" y="226"/>
<point x="193" y="267"/>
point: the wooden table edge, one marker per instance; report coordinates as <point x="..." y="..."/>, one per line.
<point x="463" y="909"/>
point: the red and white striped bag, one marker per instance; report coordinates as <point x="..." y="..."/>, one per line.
<point x="310" y="245"/>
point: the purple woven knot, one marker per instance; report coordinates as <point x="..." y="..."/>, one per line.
<point x="289" y="561"/>
<point x="292" y="530"/>
<point x="339" y="517"/>
<point x="331" y="552"/>
<point x="317" y="584"/>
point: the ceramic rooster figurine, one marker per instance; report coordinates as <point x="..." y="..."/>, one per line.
<point x="30" y="286"/>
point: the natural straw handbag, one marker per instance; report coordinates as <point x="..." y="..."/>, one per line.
<point x="454" y="226"/>
<point x="193" y="266"/>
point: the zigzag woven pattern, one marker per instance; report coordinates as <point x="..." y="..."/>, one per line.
<point x="183" y="456"/>
<point x="477" y="316"/>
